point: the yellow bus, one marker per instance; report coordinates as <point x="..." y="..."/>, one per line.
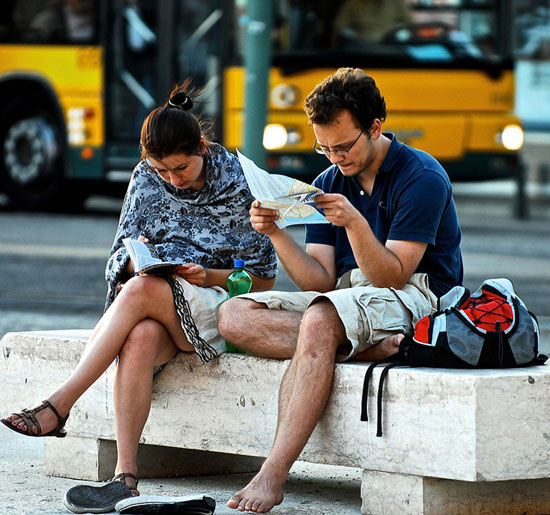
<point x="77" y="78"/>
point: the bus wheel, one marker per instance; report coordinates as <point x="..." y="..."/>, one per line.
<point x="31" y="165"/>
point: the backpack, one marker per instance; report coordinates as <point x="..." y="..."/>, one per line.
<point x="490" y="328"/>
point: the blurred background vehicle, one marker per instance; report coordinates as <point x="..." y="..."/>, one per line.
<point x="77" y="77"/>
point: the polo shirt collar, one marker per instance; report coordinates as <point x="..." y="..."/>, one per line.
<point x="393" y="153"/>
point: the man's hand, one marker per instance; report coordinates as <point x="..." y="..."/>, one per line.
<point x="192" y="273"/>
<point x="338" y="209"/>
<point x="263" y="219"/>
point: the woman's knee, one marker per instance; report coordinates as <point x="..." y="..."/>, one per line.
<point x="143" y="341"/>
<point x="145" y="288"/>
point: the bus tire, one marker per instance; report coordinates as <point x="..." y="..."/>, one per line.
<point x="31" y="156"/>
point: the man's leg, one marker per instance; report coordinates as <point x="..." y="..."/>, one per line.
<point x="260" y="331"/>
<point x="304" y="392"/>
<point x="148" y="344"/>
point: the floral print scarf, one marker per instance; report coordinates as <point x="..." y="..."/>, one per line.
<point x="210" y="227"/>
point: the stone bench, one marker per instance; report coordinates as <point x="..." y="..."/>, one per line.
<point x="454" y="441"/>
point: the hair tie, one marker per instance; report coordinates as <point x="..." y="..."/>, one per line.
<point x="180" y="99"/>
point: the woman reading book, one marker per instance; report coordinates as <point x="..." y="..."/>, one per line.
<point x="189" y="197"/>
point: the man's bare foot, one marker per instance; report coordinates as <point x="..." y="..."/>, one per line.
<point x="386" y="347"/>
<point x="260" y="495"/>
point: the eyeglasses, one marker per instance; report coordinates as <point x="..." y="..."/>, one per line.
<point x="342" y="152"/>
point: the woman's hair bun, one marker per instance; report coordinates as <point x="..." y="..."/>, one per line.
<point x="181" y="99"/>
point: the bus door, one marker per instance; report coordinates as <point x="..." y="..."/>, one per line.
<point x="202" y="45"/>
<point x="151" y="47"/>
<point x="138" y="75"/>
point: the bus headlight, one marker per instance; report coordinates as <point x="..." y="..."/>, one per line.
<point x="276" y="136"/>
<point x="512" y="137"/>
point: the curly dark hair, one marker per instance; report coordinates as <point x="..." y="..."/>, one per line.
<point x="172" y="128"/>
<point x="347" y="88"/>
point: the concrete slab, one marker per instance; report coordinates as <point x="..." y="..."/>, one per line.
<point x="401" y="494"/>
<point x="444" y="424"/>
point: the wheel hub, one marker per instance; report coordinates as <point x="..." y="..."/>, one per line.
<point x="30" y="149"/>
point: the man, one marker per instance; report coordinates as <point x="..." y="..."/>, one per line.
<point x="392" y="248"/>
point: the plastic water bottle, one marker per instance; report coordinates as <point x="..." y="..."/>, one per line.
<point x="238" y="282"/>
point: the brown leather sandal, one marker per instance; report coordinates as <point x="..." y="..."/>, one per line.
<point x="29" y="419"/>
<point x="122" y="478"/>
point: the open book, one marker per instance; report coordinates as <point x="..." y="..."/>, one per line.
<point x="293" y="199"/>
<point x="145" y="258"/>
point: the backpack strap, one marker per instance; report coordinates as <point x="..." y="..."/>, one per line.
<point x="368" y="374"/>
<point x="500" y="344"/>
<point x="380" y="391"/>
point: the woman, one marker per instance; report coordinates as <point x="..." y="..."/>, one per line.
<point x="190" y="198"/>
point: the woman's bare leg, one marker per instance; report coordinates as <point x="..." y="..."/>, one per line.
<point x="141" y="298"/>
<point x="148" y="344"/>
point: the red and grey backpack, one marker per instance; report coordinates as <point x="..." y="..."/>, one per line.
<point x="490" y="328"/>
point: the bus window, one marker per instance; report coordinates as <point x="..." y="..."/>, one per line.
<point x="80" y="21"/>
<point x="369" y="20"/>
<point x="50" y="21"/>
<point x="379" y="27"/>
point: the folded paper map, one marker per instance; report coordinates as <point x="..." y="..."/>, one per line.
<point x="293" y="199"/>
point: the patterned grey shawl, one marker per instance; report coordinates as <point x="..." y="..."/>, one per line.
<point x="210" y="227"/>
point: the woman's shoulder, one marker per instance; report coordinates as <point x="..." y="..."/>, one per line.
<point x="221" y="156"/>
<point x="143" y="175"/>
<point x="140" y="170"/>
<point x="142" y="180"/>
<point x="225" y="165"/>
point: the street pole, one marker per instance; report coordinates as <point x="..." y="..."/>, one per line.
<point x="257" y="64"/>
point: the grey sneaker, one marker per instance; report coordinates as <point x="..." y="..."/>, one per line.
<point x="95" y="499"/>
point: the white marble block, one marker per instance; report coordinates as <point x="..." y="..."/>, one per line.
<point x="401" y="494"/>
<point x="478" y="429"/>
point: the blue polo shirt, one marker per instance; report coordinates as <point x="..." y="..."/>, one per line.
<point x="411" y="200"/>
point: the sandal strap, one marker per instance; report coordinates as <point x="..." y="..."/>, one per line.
<point x="47" y="404"/>
<point x="29" y="419"/>
<point x="123" y="475"/>
<point x="28" y="416"/>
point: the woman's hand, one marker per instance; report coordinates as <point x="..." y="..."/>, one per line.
<point x="192" y="273"/>
<point x="263" y="219"/>
<point x="129" y="267"/>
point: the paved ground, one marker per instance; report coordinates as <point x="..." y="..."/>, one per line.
<point x="25" y="490"/>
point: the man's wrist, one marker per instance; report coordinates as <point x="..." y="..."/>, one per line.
<point x="358" y="223"/>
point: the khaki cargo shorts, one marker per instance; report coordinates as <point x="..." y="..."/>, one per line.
<point x="369" y="314"/>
